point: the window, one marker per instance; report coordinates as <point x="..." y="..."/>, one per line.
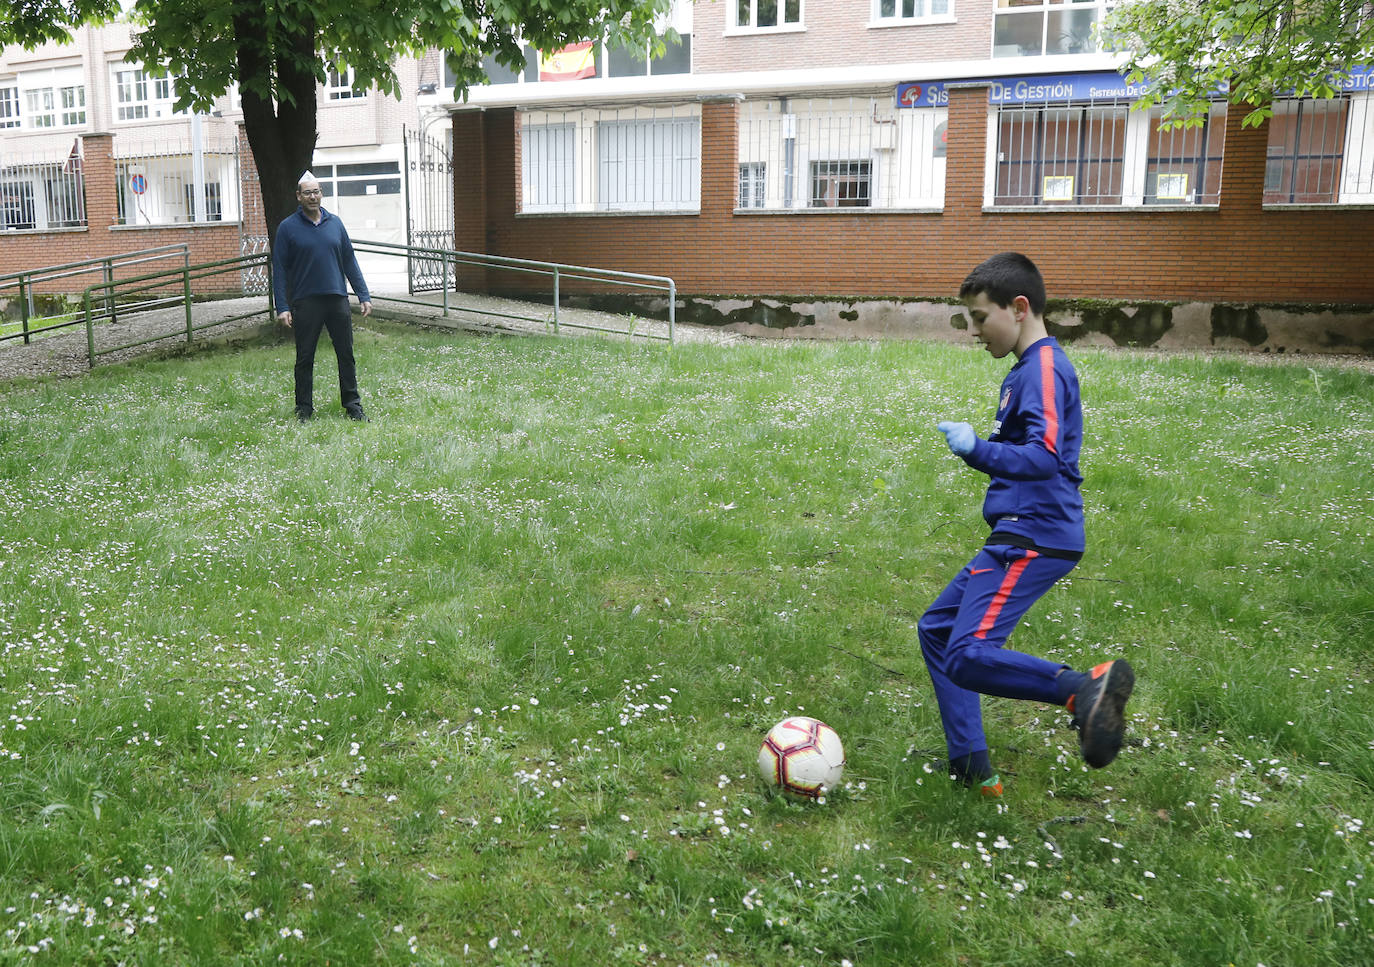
<point x="548" y="166"/>
<point x="16" y="205"/>
<point x="1030" y="28"/>
<point x="1306" y="144"/>
<point x="73" y="101"/>
<point x="902" y="11"/>
<point x="214" y="205"/>
<point x="841" y="184"/>
<point x="649" y="164"/>
<point x="66" y="201"/>
<point x="767" y="14"/>
<point x="340" y="85"/>
<point x="143" y="94"/>
<point x="1183" y="166"/>
<point x="40" y="108"/>
<point x="131" y="95"/>
<point x="9" y="107"/>
<point x="1073" y="155"/>
<point x="753" y="187"/>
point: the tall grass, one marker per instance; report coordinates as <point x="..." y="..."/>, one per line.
<point x="483" y="681"/>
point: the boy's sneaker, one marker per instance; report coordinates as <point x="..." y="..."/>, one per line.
<point x="1099" y="711"/>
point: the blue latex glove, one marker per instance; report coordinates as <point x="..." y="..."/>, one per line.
<point x="959" y="436"/>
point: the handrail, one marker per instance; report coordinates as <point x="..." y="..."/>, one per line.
<point x="557" y="270"/>
<point x="27" y="279"/>
<point x="158" y="280"/>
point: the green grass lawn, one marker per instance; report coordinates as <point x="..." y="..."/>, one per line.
<point x="483" y="681"/>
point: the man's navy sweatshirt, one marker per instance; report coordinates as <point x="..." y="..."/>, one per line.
<point x="310" y="259"/>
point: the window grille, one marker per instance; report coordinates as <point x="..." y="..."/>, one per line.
<point x="648" y="163"/>
<point x="842" y="151"/>
<point x="156" y="183"/>
<point x="841" y="184"/>
<point x="753" y="184"/>
<point x="548" y="166"/>
<point x="41" y="195"/>
<point x="1183" y="166"/>
<point x="1061" y="155"/>
<point x="1306" y="150"/>
<point x="645" y="158"/>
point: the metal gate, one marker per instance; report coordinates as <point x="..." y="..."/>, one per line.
<point x="252" y="220"/>
<point x="429" y="208"/>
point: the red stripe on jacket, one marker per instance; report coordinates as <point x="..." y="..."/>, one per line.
<point x="1048" y="400"/>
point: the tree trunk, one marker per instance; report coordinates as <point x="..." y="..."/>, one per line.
<point x="281" y="135"/>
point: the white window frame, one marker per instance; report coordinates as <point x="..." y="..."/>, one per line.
<point x="637" y="159"/>
<point x="71" y="105"/>
<point x="750" y="27"/>
<point x="40" y="107"/>
<point x="339" y="85"/>
<point x="1003" y="11"/>
<point x="141" y="94"/>
<point x="753" y="184"/>
<point x="10" y="115"/>
<point x="922" y="12"/>
<point x="548" y="162"/>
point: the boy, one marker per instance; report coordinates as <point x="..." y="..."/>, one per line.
<point x="1035" y="511"/>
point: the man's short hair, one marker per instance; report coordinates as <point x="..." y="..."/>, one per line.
<point x="1004" y="277"/>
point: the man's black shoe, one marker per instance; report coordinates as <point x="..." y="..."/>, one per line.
<point x="356" y="413"/>
<point x="304" y="414"/>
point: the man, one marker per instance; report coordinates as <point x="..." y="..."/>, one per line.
<point x="311" y="259"/>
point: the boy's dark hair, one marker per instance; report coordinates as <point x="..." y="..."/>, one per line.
<point x="1005" y="276"/>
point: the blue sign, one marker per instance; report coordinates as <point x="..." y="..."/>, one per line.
<point x="139" y="184"/>
<point x="1360" y="79"/>
<point x="1098" y="85"/>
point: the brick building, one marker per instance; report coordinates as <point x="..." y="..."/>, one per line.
<point x="786" y="155"/>
<point x="96" y="160"/>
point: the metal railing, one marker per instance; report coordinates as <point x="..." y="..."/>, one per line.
<point x="109" y="292"/>
<point x="26" y="281"/>
<point x="558" y="272"/>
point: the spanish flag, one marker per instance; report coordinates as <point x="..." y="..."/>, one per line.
<point x="572" y="63"/>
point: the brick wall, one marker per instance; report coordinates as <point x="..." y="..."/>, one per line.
<point x="103" y="236"/>
<point x="837" y="34"/>
<point x="1238" y="252"/>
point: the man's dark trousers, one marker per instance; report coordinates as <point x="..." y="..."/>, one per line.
<point x="308" y="317"/>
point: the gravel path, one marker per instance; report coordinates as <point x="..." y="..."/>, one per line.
<point x="65" y="352"/>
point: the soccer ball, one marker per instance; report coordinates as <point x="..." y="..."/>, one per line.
<point x="802" y="756"/>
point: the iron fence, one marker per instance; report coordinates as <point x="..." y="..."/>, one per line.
<point x="639" y="158"/>
<point x="1321" y="151"/>
<point x="853" y="151"/>
<point x="169" y="183"/>
<point x="1103" y="152"/>
<point x="41" y="195"/>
